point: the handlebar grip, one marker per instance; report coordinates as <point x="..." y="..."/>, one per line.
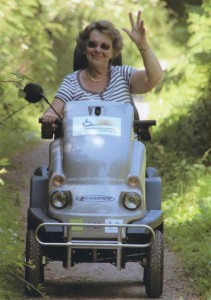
<point x="142" y="129"/>
<point x="145" y="123"/>
<point x="48" y="131"/>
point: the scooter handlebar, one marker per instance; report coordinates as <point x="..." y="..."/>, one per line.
<point x="142" y="129"/>
<point x="48" y="132"/>
<point x="145" y="123"/>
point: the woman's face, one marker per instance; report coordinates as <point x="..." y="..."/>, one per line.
<point x="99" y="49"/>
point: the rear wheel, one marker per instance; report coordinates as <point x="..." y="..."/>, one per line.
<point x="153" y="271"/>
<point x="34" y="269"/>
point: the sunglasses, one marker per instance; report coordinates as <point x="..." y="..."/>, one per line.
<point x="92" y="44"/>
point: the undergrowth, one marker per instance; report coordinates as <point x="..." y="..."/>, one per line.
<point x="186" y="204"/>
<point x="187" y="209"/>
<point x="11" y="241"/>
<point x="13" y="141"/>
<point x="182" y="151"/>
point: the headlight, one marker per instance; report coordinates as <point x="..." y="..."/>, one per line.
<point x="133" y="181"/>
<point x="59" y="199"/>
<point x="58" y="180"/>
<point x="132" y="200"/>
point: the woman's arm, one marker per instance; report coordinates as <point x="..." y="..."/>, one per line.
<point x="144" y="80"/>
<point x="49" y="115"/>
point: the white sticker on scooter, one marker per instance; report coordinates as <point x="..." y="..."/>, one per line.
<point x="112" y="221"/>
<point x="96" y="125"/>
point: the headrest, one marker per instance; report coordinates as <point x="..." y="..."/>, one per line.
<point x="80" y="61"/>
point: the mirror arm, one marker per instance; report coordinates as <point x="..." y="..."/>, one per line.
<point x="46" y="100"/>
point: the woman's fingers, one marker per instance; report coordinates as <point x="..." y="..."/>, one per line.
<point x="132" y="22"/>
<point x="49" y="117"/>
<point x="137" y="33"/>
<point x="139" y="22"/>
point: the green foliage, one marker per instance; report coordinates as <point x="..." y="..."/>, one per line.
<point x="182" y="148"/>
<point x="11" y="259"/>
<point x="25" y="28"/>
<point x="187" y="210"/>
<point x="188" y="224"/>
<point x="17" y="139"/>
<point x="190" y="131"/>
<point x="184" y="100"/>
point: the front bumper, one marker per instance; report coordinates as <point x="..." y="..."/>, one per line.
<point x="41" y="223"/>
<point x="37" y="216"/>
<point x="117" y="244"/>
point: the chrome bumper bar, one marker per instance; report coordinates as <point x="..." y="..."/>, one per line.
<point x="95" y="244"/>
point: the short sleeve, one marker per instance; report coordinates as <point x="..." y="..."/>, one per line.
<point x="127" y="72"/>
<point x="67" y="88"/>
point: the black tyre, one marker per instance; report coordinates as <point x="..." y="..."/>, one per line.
<point x="153" y="271"/>
<point x="34" y="269"/>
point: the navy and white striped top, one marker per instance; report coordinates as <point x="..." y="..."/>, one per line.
<point x="117" y="89"/>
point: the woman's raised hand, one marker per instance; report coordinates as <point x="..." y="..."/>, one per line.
<point x="138" y="32"/>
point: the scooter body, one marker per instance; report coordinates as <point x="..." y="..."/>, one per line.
<point x="96" y="201"/>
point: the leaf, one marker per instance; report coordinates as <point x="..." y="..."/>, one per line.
<point x="3" y="171"/>
<point x="4" y="162"/>
<point x="21" y="93"/>
<point x="1" y="90"/>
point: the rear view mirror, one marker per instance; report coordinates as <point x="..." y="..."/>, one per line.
<point x="33" y="92"/>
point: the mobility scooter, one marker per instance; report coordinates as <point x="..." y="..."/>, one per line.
<point x="95" y="201"/>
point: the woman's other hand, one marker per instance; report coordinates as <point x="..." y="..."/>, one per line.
<point x="50" y="116"/>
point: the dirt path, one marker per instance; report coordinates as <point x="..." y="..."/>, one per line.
<point x="96" y="281"/>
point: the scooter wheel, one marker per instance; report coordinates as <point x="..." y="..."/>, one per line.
<point x="153" y="271"/>
<point x="34" y="269"/>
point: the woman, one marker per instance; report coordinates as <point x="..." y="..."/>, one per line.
<point x="101" y="42"/>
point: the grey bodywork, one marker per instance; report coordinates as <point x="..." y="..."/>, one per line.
<point x="96" y="155"/>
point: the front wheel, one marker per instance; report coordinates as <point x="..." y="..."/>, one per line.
<point x="153" y="271"/>
<point x="34" y="269"/>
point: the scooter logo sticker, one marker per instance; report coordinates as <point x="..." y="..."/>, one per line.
<point x="96" y="125"/>
<point x="95" y="198"/>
